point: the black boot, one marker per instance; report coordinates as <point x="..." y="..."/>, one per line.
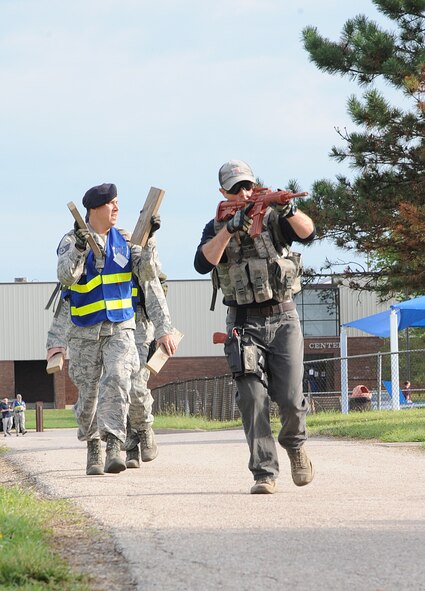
<point x="94" y="458"/>
<point x="114" y="462"/>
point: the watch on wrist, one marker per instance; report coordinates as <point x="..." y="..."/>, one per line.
<point x="292" y="211"/>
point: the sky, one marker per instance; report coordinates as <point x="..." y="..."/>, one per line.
<point x="159" y="94"/>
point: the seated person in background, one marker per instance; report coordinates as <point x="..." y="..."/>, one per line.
<point x="407" y="392"/>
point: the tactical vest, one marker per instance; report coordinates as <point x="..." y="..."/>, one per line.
<point x="104" y="295"/>
<point x="258" y="269"/>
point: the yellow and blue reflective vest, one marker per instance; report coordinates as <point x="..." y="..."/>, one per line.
<point x="106" y="295"/>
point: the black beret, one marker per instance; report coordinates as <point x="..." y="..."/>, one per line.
<point x="99" y="195"/>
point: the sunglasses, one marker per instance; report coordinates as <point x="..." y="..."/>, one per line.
<point x="248" y="185"/>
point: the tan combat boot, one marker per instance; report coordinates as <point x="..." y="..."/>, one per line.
<point x="132" y="458"/>
<point x="148" y="446"/>
<point x="114" y="463"/>
<point x="94" y="458"/>
<point x="301" y="466"/>
<point x="264" y="486"/>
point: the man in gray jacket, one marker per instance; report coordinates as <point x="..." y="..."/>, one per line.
<point x="258" y="277"/>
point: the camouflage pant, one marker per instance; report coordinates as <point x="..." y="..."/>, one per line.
<point x="140" y="411"/>
<point x="102" y="370"/>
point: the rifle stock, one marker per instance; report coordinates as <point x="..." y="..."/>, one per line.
<point x="219" y="338"/>
<point x="260" y="200"/>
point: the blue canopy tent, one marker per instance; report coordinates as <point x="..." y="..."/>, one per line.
<point x="409" y="313"/>
<point x="384" y="324"/>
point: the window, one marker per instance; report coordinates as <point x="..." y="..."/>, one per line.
<point x="318" y="308"/>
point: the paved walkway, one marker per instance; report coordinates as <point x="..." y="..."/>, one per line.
<point x="187" y="522"/>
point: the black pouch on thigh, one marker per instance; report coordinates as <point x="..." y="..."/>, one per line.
<point x="253" y="359"/>
<point x="244" y="356"/>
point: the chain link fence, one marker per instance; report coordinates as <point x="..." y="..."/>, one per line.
<point x="214" y="398"/>
<point x="323" y="379"/>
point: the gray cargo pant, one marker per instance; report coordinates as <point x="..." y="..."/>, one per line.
<point x="280" y="342"/>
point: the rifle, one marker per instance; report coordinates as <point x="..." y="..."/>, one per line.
<point x="259" y="201"/>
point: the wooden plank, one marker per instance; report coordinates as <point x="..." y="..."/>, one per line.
<point x="82" y="224"/>
<point x="143" y="226"/>
<point x="158" y="359"/>
<point x="55" y="363"/>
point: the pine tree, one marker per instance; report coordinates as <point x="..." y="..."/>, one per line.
<point x="381" y="211"/>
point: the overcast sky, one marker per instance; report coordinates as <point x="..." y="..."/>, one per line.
<point x="158" y="94"/>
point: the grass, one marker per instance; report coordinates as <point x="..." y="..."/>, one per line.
<point x="176" y="421"/>
<point x="27" y="561"/>
<point x="386" y="426"/>
<point x="65" y="419"/>
<point x="53" y="418"/>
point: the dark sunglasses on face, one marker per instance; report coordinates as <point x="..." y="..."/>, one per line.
<point x="248" y="185"/>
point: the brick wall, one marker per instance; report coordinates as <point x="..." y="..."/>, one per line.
<point x="183" y="368"/>
<point x="329" y="347"/>
<point x="178" y="369"/>
<point x="59" y="385"/>
<point x="186" y="368"/>
<point x="363" y="345"/>
<point x="7" y="379"/>
<point x="70" y="391"/>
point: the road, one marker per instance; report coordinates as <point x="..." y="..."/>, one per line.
<point x="186" y="521"/>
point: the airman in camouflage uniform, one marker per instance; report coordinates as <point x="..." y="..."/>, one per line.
<point x="153" y="322"/>
<point x="102" y="350"/>
<point x="140" y="396"/>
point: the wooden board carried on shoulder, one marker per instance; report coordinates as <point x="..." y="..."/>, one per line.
<point x="143" y="226"/>
<point x="82" y="224"/>
<point x="158" y="359"/>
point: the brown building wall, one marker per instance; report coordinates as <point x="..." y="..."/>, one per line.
<point x="325" y="376"/>
<point x="70" y="392"/>
<point x="363" y="345"/>
<point x="7" y="379"/>
<point x="59" y="385"/>
<point x="178" y="369"/>
<point x="185" y="368"/>
<point x="329" y="347"/>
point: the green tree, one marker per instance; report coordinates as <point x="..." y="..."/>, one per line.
<point x="381" y="211"/>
